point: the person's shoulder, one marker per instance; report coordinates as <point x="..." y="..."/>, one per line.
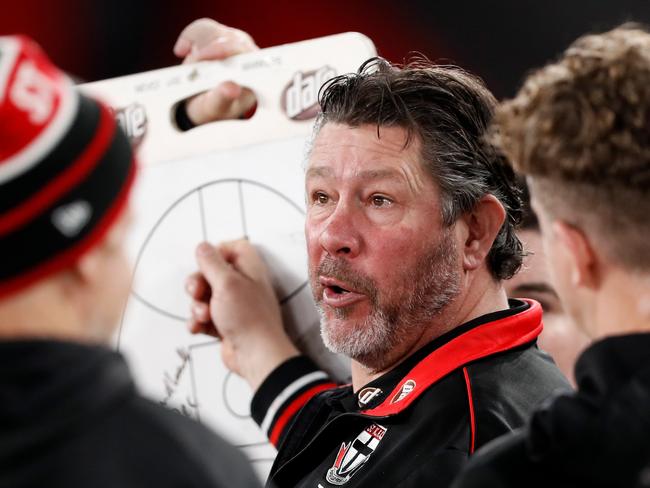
<point x="501" y="463"/>
<point x="505" y="389"/>
<point x="148" y="415"/>
<point x="193" y="448"/>
<point x="524" y="371"/>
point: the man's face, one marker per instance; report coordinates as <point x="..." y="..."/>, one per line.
<point x="533" y="281"/>
<point x="381" y="264"/>
<point x="561" y="338"/>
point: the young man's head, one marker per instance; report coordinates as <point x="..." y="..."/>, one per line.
<point x="410" y="211"/>
<point x="66" y="171"/>
<point x="579" y="129"/>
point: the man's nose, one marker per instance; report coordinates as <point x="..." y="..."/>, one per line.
<point x="340" y="236"/>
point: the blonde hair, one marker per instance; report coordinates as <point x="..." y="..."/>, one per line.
<point x="580" y="129"/>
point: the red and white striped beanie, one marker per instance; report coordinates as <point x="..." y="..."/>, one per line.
<point x="66" y="169"/>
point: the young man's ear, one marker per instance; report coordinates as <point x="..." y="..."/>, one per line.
<point x="483" y="224"/>
<point x="583" y="260"/>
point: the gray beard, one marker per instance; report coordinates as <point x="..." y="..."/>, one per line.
<point x="426" y="290"/>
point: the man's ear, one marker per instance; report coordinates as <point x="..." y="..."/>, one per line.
<point x="483" y="224"/>
<point x="85" y="271"/>
<point x="583" y="260"/>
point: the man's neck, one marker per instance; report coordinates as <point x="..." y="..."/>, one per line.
<point x="622" y="306"/>
<point x="40" y="313"/>
<point x="477" y="300"/>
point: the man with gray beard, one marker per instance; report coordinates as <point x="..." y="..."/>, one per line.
<point x="434" y="282"/>
<point x="410" y="231"/>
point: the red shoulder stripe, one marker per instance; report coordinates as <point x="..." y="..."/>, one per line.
<point x="472" y="420"/>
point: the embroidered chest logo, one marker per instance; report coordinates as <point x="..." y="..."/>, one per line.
<point x="366" y="395"/>
<point x="353" y="455"/>
<point x="404" y="391"/>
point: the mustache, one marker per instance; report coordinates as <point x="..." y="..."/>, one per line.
<point x="341" y="270"/>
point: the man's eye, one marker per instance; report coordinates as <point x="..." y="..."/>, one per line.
<point x="380" y="201"/>
<point x="549" y="304"/>
<point x="320" y="198"/>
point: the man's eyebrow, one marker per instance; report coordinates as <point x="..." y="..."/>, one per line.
<point x="536" y="287"/>
<point x="380" y="174"/>
<point x="371" y="174"/>
<point x="322" y="171"/>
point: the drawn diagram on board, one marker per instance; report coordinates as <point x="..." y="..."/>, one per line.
<point x="184" y="371"/>
<point x="287" y="285"/>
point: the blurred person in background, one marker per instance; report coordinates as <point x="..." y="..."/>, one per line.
<point x="70" y="415"/>
<point x="561" y="337"/>
<point x="579" y="129"/>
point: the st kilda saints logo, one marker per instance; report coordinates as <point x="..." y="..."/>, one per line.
<point x="133" y="120"/>
<point x="353" y="455"/>
<point x="300" y="97"/>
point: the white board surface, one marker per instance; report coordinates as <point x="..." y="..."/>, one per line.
<point x="221" y="181"/>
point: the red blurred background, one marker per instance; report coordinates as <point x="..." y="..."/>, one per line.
<point x="499" y="41"/>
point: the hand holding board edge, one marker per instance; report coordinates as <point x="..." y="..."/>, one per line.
<point x="208" y="40"/>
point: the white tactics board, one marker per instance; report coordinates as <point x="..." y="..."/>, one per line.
<point x="217" y="182"/>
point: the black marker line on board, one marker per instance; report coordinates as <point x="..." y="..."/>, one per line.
<point x="242" y="210"/>
<point x="202" y="210"/>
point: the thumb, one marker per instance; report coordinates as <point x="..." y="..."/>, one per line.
<point x="245" y="258"/>
<point x="211" y="263"/>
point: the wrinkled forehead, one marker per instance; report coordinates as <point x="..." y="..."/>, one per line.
<point x="341" y="151"/>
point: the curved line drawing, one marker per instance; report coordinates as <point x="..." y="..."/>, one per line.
<point x="195" y="397"/>
<point x="159" y="310"/>
<point x="152" y="231"/>
<point x="261" y="460"/>
<point x="203" y="344"/>
<point x="294" y="292"/>
<point x="255" y="444"/>
<point x="202" y="208"/>
<point x="226" y="401"/>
